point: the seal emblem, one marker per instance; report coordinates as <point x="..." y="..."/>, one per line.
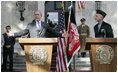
<point x="104" y="54"/>
<point x="38" y="55"/>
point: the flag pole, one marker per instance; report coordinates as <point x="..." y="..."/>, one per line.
<point x="63" y="12"/>
<point x="70" y="7"/>
<point x="69" y="14"/>
<point x="64" y="26"/>
<point x="68" y="32"/>
<point x="74" y="63"/>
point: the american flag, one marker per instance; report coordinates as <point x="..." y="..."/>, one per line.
<point x="61" y="60"/>
<point x="81" y="4"/>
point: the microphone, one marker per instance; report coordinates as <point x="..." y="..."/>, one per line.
<point x="103" y="32"/>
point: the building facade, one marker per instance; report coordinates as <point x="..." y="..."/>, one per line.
<point x="10" y="14"/>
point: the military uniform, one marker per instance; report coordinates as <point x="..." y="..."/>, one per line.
<point x="84" y="32"/>
<point x="103" y="29"/>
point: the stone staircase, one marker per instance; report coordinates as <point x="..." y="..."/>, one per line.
<point x="19" y="64"/>
<point x="82" y="64"/>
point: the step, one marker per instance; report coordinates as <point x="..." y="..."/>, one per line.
<point x="82" y="59"/>
<point x="18" y="68"/>
<point x="15" y="68"/>
<point x="17" y="64"/>
<point x="14" y="55"/>
<point x="19" y="60"/>
<point x="20" y="57"/>
<point x="81" y="65"/>
<point x="81" y="62"/>
<point x="82" y="68"/>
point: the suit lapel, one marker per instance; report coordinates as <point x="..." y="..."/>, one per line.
<point x="96" y="28"/>
<point x="42" y="24"/>
<point x="42" y="28"/>
<point x="33" y="24"/>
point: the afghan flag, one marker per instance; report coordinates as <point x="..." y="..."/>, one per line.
<point x="73" y="40"/>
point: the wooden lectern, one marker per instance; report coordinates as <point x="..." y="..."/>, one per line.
<point x="47" y="43"/>
<point x="93" y="45"/>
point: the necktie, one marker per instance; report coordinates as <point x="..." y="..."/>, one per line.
<point x="39" y="25"/>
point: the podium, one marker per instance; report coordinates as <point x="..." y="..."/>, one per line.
<point x="103" y="54"/>
<point x="48" y="43"/>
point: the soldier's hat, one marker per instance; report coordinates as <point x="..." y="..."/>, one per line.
<point x="101" y="12"/>
<point x="83" y="19"/>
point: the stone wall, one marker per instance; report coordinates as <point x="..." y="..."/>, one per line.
<point x="11" y="16"/>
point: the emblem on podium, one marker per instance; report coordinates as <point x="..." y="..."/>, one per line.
<point x="38" y="55"/>
<point x="105" y="54"/>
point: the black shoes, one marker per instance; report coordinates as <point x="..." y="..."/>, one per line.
<point x="83" y="54"/>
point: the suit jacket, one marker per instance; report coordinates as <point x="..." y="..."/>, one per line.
<point x="34" y="32"/>
<point x="106" y="27"/>
<point x="8" y="41"/>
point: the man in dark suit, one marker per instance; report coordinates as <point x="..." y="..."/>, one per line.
<point x="102" y="29"/>
<point x="8" y="49"/>
<point x="38" y="28"/>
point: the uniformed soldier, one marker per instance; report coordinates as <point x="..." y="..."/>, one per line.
<point x="102" y="29"/>
<point x="84" y="32"/>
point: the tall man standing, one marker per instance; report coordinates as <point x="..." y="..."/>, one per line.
<point x="38" y="28"/>
<point x="102" y="29"/>
<point x="8" y="49"/>
<point x="84" y="32"/>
